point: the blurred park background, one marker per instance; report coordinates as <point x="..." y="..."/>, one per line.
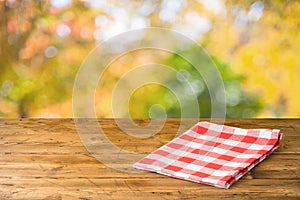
<point x="255" y="45"/>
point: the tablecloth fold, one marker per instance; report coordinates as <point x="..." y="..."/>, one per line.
<point x="212" y="154"/>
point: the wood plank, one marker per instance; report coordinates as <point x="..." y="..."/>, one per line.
<point x="89" y="194"/>
<point x="163" y="183"/>
<point x="70" y="166"/>
<point x="45" y="159"/>
<point x="52" y="126"/>
<point x="135" y="188"/>
<point x="68" y="141"/>
<point x="63" y="144"/>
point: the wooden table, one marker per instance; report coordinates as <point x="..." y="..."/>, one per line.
<point x="45" y="159"/>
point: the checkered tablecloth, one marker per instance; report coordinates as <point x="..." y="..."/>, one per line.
<point x="212" y="154"/>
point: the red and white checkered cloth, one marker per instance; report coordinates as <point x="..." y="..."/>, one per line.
<point x="212" y="154"/>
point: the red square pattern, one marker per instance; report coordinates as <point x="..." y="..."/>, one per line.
<point x="212" y="154"/>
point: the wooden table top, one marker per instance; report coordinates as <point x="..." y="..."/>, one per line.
<point x="45" y="159"/>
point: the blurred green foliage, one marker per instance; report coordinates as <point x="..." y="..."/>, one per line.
<point x="42" y="45"/>
<point x="239" y="103"/>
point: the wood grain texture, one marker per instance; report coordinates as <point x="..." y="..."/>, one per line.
<point x="45" y="159"/>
